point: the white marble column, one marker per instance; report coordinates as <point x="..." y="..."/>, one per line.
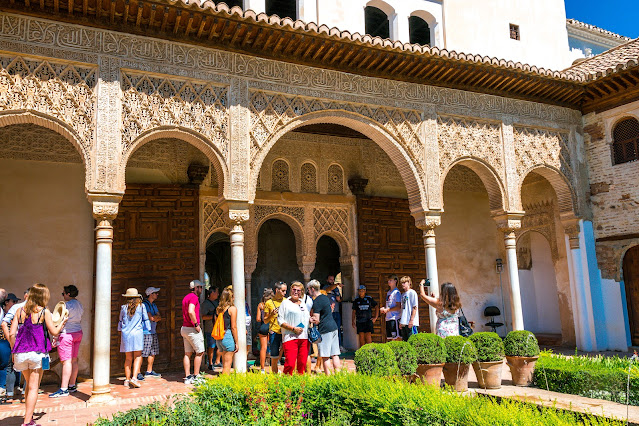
<point x="104" y="213"/>
<point x="431" y="273"/>
<point x="508" y="223"/>
<point x="237" y="279"/>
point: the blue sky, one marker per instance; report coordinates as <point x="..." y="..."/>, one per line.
<point x="618" y="16"/>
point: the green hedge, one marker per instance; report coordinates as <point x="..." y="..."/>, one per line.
<point x="342" y="399"/>
<point x="405" y="356"/>
<point x="489" y="346"/>
<point x="460" y="350"/>
<point x="376" y="359"/>
<point x="521" y="343"/>
<point x="594" y="377"/>
<point x="430" y="348"/>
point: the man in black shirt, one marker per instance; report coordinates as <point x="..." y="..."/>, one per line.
<point x="365" y="313"/>
<point x="322" y="315"/>
<point x="208" y="315"/>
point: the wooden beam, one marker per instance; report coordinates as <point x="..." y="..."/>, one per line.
<point x="70" y="7"/>
<point x="238" y="33"/>
<point x="138" y="17"/>
<point x="178" y="18"/>
<point x="112" y="12"/>
<point x="165" y="18"/>
<point x="213" y="31"/>
<point x="152" y="16"/>
<point x="56" y="6"/>
<point x="189" y="24"/>
<point x="126" y="11"/>
<point x="294" y="41"/>
<point x="85" y="7"/>
<point x="200" y="30"/>
<point x="98" y="7"/>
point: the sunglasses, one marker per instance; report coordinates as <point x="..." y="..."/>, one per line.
<point x="296" y="290"/>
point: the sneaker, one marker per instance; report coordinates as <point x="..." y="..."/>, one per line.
<point x="140" y="376"/>
<point x="73" y="388"/>
<point x="127" y="384"/>
<point x="211" y="367"/>
<point x="189" y="379"/>
<point x="262" y="371"/>
<point x="152" y="374"/>
<point x="218" y="365"/>
<point x="135" y="383"/>
<point x="31" y="423"/>
<point x="199" y="379"/>
<point x="59" y="393"/>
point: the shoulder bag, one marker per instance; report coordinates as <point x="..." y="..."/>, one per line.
<point x="464" y="327"/>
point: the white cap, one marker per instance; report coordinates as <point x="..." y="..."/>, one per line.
<point x="150" y="290"/>
<point x="196" y="283"/>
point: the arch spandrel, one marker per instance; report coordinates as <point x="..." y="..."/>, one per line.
<point x="566" y="198"/>
<point x="396" y="131"/>
<point x="168" y="132"/>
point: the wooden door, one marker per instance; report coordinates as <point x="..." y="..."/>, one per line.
<point x="156" y="244"/>
<point x="389" y="243"/>
<point x="631" y="281"/>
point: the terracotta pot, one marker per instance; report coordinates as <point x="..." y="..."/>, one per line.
<point x="488" y="373"/>
<point x="456" y="375"/>
<point x="431" y="374"/>
<point x="521" y="368"/>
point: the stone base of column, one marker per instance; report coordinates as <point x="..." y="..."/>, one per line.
<point x="101" y="396"/>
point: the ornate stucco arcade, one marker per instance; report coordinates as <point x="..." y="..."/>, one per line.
<point x="109" y="93"/>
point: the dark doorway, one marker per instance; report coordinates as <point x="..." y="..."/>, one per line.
<point x="419" y="31"/>
<point x="282" y="8"/>
<point x="631" y="281"/>
<point x="376" y="22"/>
<point x="327" y="259"/>
<point x="218" y="260"/>
<point x="276" y="259"/>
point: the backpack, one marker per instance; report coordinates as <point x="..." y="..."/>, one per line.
<point x="218" y="328"/>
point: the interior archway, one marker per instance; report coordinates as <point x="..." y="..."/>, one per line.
<point x="327" y="259"/>
<point x="218" y="260"/>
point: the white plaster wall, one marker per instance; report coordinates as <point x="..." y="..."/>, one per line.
<point x="539" y="289"/>
<point x="613" y="308"/>
<point x="482" y="27"/>
<point x="46" y="229"/>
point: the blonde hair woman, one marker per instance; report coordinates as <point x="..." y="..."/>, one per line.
<point x="31" y="344"/>
<point x="228" y="345"/>
<point x="133" y="321"/>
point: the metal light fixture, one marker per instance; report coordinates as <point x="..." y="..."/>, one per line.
<point x="499" y="268"/>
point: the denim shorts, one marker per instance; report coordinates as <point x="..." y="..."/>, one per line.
<point x="275" y="343"/>
<point x="227" y="344"/>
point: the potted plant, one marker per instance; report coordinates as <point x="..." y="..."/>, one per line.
<point x="460" y="353"/>
<point x="406" y="358"/>
<point x="490" y="359"/>
<point x="431" y="356"/>
<point x="376" y="359"/>
<point x="522" y="352"/>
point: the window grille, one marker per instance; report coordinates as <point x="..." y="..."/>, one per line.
<point x="280" y="180"/>
<point x="419" y="31"/>
<point x="625" y="138"/>
<point x="282" y="8"/>
<point x="514" y="32"/>
<point x="308" y="177"/>
<point x="376" y="22"/>
<point x="335" y="180"/>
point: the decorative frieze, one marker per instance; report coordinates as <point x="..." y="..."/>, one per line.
<point x="263" y="211"/>
<point x="539" y="147"/>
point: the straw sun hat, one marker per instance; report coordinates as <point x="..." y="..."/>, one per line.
<point x="59" y="313"/>
<point x="132" y="292"/>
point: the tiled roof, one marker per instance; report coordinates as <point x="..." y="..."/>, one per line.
<point x="616" y="59"/>
<point x="600" y="31"/>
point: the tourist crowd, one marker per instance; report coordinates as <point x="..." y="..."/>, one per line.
<point x="295" y="326"/>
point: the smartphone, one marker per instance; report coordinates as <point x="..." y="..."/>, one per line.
<point x="300" y="325"/>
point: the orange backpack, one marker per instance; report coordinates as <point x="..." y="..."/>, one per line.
<point x="218" y="327"/>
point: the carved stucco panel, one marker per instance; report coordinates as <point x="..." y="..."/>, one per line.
<point x="60" y="90"/>
<point x="213" y="218"/>
<point x="328" y="219"/>
<point x="535" y="146"/>
<point x="151" y="101"/>
<point x="539" y="217"/>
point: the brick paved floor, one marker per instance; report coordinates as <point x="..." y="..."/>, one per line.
<point x="74" y="410"/>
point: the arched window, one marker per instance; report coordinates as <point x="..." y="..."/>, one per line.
<point x="308" y="178"/>
<point x="376" y="22"/>
<point x="231" y="3"/>
<point x="625" y="138"/>
<point x="419" y="31"/>
<point x="280" y="177"/>
<point x="335" y="179"/>
<point x="282" y="8"/>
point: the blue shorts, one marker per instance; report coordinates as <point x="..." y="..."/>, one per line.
<point x="210" y="341"/>
<point x="227" y="344"/>
<point x="275" y="343"/>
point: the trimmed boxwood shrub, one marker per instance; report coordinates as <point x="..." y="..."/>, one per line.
<point x="376" y="359"/>
<point x="340" y="399"/>
<point x="489" y="346"/>
<point x="521" y="343"/>
<point x="460" y="350"/>
<point x="405" y="356"/>
<point x="430" y="348"/>
<point x="590" y="376"/>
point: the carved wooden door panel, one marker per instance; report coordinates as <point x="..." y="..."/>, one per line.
<point x="156" y="244"/>
<point x="389" y="243"/>
<point x="631" y="281"/>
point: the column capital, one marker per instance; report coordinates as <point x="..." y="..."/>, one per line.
<point x="509" y="222"/>
<point x="105" y="206"/>
<point x="572" y="228"/>
<point x="427" y="221"/>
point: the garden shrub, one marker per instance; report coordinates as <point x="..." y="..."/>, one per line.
<point x="344" y="399"/>
<point x="376" y="359"/>
<point x="521" y="343"/>
<point x="430" y="348"/>
<point x="460" y="350"/>
<point x="489" y="346"/>
<point x="593" y="377"/>
<point x="405" y="356"/>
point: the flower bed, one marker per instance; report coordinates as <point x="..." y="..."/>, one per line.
<point x="342" y="399"/>
<point x="593" y="377"/>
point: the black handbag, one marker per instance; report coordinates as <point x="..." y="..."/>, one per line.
<point x="314" y="335"/>
<point x="464" y="327"/>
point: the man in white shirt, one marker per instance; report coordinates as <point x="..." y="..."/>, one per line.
<point x="393" y="308"/>
<point x="409" y="320"/>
